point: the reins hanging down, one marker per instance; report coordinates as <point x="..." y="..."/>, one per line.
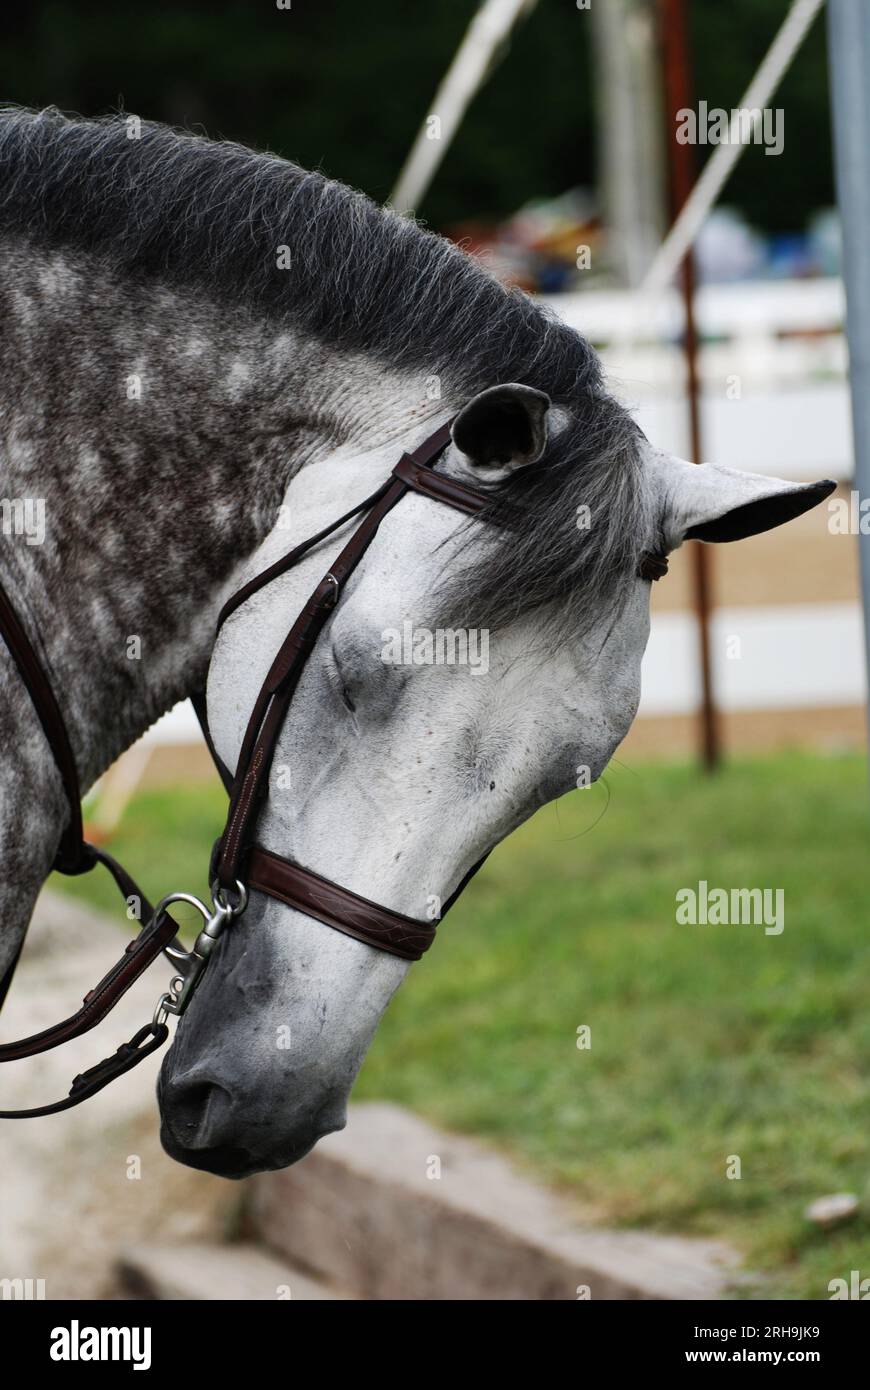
<point x="238" y="862"/>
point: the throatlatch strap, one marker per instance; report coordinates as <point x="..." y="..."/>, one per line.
<point x="200" y="707"/>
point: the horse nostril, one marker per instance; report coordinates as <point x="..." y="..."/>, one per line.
<point x="193" y="1110"/>
<point x="197" y="1095"/>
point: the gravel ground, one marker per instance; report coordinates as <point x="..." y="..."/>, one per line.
<point x="69" y="1200"/>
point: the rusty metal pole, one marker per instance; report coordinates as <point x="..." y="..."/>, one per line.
<point x="676" y="64"/>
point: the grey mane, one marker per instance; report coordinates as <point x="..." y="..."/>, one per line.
<point x="189" y="211"/>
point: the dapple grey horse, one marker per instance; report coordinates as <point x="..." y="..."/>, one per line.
<point x="206" y="355"/>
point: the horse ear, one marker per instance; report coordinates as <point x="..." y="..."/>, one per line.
<point x="706" y="502"/>
<point x="503" y="427"/>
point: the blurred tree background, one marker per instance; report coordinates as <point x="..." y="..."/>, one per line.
<point x="342" y="86"/>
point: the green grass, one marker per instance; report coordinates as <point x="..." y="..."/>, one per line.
<point x="706" y="1041"/>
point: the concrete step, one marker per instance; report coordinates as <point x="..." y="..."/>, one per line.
<point x="235" y="1273"/>
<point x="393" y="1209"/>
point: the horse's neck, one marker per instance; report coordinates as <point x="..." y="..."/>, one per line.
<point x="142" y="488"/>
<point x="159" y="436"/>
<point x="156" y="436"/>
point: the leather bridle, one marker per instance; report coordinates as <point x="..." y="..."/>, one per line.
<point x="238" y="862"/>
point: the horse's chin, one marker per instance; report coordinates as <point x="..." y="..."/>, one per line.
<point x="227" y="1161"/>
<point x="224" y="1161"/>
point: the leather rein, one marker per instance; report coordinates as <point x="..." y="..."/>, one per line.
<point x="238" y="862"/>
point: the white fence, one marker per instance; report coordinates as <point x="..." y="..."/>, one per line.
<point x="772" y="365"/>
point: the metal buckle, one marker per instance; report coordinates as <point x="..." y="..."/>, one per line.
<point x="191" y="964"/>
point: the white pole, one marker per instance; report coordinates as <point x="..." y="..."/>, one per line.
<point x="466" y="74"/>
<point x="630" y="135"/>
